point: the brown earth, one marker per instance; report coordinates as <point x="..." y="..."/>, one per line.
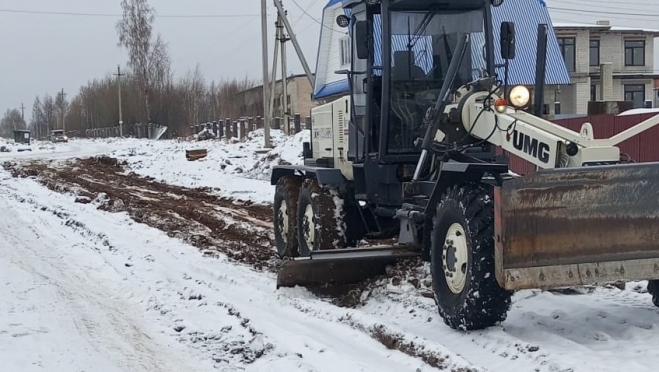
<point x="195" y="216"/>
<point x="240" y="230"/>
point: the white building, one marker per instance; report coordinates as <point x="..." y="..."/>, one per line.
<point x="606" y="63"/>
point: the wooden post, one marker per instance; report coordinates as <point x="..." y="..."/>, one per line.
<point x="277" y="124"/>
<point x="227" y="122"/>
<point x="234" y="129"/>
<point x="250" y="124"/>
<point x="220" y="129"/>
<point x="298" y="123"/>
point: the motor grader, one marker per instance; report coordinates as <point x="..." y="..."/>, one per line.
<point x="411" y="153"/>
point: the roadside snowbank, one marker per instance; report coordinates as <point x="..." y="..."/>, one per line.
<point x="236" y="169"/>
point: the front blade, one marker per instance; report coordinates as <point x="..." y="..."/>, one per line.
<point x="340" y="266"/>
<point x="578" y="226"/>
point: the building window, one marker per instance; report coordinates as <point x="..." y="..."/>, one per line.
<point x="634" y="52"/>
<point x="593" y="92"/>
<point x="345" y="51"/>
<point x="636" y="94"/>
<point x="567" y="45"/>
<point x="594" y="52"/>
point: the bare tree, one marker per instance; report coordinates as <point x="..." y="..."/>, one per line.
<point x="11" y="121"/>
<point x="49" y="112"/>
<point x="37" y="122"/>
<point x="148" y="59"/>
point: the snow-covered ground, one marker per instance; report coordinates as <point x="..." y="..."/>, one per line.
<point x="87" y="290"/>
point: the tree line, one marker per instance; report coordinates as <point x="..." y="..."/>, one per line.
<point x="150" y="93"/>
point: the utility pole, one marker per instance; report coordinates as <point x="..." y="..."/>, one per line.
<point x="273" y="76"/>
<point x="121" y="122"/>
<point x="264" y="57"/>
<point x="284" y="76"/>
<point x="293" y="38"/>
<point x="22" y="112"/>
<point x="63" y="95"/>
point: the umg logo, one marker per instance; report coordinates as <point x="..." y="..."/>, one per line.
<point x="531" y="146"/>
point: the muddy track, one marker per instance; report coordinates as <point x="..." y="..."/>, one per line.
<point x="242" y="231"/>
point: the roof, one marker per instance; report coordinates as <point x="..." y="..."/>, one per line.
<point x="639" y="111"/>
<point x="604" y="28"/>
<point x="527" y="15"/>
<point x="290" y="78"/>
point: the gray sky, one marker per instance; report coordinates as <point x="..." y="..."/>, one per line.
<point x="45" y="53"/>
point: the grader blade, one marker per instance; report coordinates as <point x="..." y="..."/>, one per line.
<point x="341" y="266"/>
<point x="578" y="226"/>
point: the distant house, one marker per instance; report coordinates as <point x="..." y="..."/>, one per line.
<point x="606" y="63"/>
<point x="299" y="98"/>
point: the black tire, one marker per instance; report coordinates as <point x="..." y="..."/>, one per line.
<point x="480" y="302"/>
<point x="286" y="191"/>
<point x="328" y="218"/>
<point x="653" y="289"/>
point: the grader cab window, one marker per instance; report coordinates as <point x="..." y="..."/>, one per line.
<point x="421" y="47"/>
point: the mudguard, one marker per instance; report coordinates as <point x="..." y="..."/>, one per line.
<point x="325" y="176"/>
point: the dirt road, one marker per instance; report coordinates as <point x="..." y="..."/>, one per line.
<point x="239" y="230"/>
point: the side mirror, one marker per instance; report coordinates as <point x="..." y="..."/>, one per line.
<point x="507" y="40"/>
<point x="361" y="34"/>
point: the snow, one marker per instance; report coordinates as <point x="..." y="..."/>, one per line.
<point x="234" y="167"/>
<point x="86" y="290"/>
<point x="112" y="295"/>
<point x="639" y="111"/>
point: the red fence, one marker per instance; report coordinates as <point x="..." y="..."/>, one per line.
<point x="640" y="148"/>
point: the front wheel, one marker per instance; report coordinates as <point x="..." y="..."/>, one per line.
<point x="462" y="260"/>
<point x="320" y="218"/>
<point x="285" y="215"/>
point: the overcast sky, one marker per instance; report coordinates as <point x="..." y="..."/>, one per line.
<point x="43" y="53"/>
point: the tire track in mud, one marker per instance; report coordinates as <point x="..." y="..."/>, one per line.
<point x="241" y="231"/>
<point x="211" y="223"/>
<point x="237" y="344"/>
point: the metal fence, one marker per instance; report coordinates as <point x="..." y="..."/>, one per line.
<point x="136" y="130"/>
<point x="640" y="148"/>
<point x="239" y="128"/>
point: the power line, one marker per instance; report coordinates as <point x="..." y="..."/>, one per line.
<point x="41" y="12"/>
<point x="302" y="15"/>
<point x="306" y="13"/>
<point x="316" y="20"/>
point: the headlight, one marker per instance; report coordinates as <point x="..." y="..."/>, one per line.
<point x="519" y="96"/>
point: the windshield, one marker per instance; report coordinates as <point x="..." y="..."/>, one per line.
<point x="58" y="133"/>
<point x="422" y="45"/>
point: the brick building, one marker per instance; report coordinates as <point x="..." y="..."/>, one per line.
<point x="605" y="63"/>
<point x="298" y="97"/>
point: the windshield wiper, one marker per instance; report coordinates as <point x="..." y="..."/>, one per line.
<point x="421" y="28"/>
